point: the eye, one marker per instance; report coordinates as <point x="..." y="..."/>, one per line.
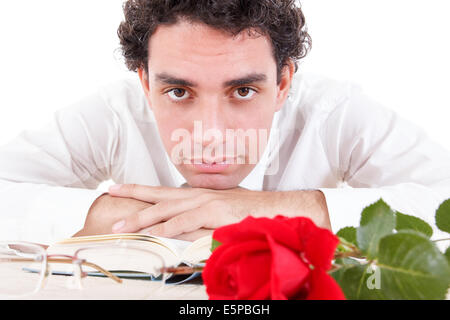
<point x="178" y="94"/>
<point x="244" y="93"/>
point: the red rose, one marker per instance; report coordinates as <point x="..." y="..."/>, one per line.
<point x="280" y="258"/>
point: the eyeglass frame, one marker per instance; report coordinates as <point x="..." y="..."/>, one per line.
<point x="44" y="259"/>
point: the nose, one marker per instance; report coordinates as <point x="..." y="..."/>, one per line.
<point x="211" y="121"/>
<point x="213" y="114"/>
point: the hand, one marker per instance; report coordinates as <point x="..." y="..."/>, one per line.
<point x="188" y="211"/>
<point x="106" y="210"/>
<point x="185" y="213"/>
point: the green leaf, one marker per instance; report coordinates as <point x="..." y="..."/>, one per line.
<point x="407" y="222"/>
<point x="377" y="221"/>
<point x="356" y="281"/>
<point x="443" y="216"/>
<point x="347" y="262"/>
<point x="214" y="244"/>
<point x="447" y="255"/>
<point x="412" y="267"/>
<point x="350" y="276"/>
<point x="348" y="234"/>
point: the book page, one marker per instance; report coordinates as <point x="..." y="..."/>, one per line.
<point x="189" y="252"/>
<point x="198" y="251"/>
<point x="172" y="251"/>
<point x="121" y="251"/>
<point x="177" y="246"/>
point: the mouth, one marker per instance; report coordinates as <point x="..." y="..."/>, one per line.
<point x="221" y="160"/>
<point x="212" y="165"/>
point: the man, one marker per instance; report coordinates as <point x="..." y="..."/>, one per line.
<point x="218" y="125"/>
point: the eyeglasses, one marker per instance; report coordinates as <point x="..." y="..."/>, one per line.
<point x="25" y="267"/>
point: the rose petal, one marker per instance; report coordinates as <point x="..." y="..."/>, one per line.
<point x="222" y="264"/>
<point x="303" y="227"/>
<point x="257" y="228"/>
<point x="323" y="287"/>
<point x="318" y="244"/>
<point x="289" y="272"/>
<point x="253" y="273"/>
<point x="263" y="293"/>
<point x="320" y="248"/>
<point x="239" y="268"/>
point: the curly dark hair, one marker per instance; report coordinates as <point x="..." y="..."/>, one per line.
<point x="281" y="20"/>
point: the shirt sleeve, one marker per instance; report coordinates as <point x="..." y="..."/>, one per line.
<point x="377" y="154"/>
<point x="49" y="177"/>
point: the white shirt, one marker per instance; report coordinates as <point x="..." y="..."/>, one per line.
<point x="332" y="138"/>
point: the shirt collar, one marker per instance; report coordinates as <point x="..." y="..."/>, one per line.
<point x="178" y="180"/>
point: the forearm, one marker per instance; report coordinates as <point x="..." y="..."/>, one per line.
<point x="106" y="211"/>
<point x="305" y="203"/>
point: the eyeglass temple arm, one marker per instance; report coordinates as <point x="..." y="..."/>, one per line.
<point x="89" y="264"/>
<point x="67" y="261"/>
<point x="184" y="270"/>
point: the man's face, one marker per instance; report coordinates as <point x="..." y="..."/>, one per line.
<point x="213" y="97"/>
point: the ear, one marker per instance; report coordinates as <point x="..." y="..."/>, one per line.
<point x="143" y="77"/>
<point x="285" y="85"/>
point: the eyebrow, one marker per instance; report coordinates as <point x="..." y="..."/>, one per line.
<point x="248" y="79"/>
<point x="168" y="79"/>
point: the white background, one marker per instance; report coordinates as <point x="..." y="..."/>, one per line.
<point x="55" y="52"/>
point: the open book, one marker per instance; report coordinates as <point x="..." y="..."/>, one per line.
<point x="131" y="255"/>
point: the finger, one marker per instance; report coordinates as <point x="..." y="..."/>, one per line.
<point x="151" y="194"/>
<point x="189" y="236"/>
<point x="207" y="216"/>
<point x="183" y="223"/>
<point x="158" y="213"/>
<point x="192" y="236"/>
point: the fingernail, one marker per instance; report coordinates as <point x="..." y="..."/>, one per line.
<point x="118" y="226"/>
<point x="115" y="188"/>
